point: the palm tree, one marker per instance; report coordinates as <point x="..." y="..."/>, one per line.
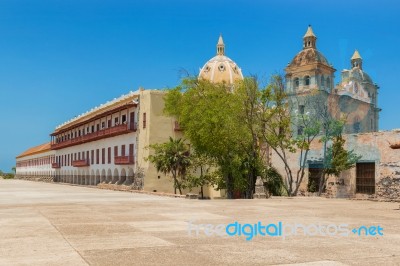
<point x="173" y="158"/>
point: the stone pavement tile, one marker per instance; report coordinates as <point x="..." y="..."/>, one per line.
<point x="191" y="215"/>
<point x="153" y="256"/>
<point x="158" y="226"/>
<point x="373" y="261"/>
<point x="39" y="250"/>
<point x="87" y="229"/>
<point x="115" y="241"/>
<point x="133" y="217"/>
<point x="316" y="263"/>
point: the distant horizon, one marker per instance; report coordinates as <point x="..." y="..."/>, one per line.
<point x="60" y="60"/>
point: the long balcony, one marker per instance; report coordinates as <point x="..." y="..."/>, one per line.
<point x="124" y="160"/>
<point x="80" y="163"/>
<point x="55" y="165"/>
<point x="101" y="134"/>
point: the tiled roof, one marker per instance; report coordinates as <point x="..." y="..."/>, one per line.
<point x="34" y="150"/>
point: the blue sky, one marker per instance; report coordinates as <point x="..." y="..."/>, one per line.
<point x="61" y="58"/>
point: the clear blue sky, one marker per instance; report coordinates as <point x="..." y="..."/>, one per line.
<point x="61" y="58"/>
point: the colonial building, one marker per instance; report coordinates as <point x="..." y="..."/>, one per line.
<point x="36" y="163"/>
<point x="355" y="98"/>
<point x="108" y="145"/>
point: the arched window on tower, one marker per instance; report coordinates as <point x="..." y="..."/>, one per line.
<point x="322" y="81"/>
<point x="307" y="80"/>
<point x="328" y="82"/>
<point x="296" y="82"/>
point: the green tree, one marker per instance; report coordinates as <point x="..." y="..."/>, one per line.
<point x="218" y="121"/>
<point x="335" y="157"/>
<point x="206" y="112"/>
<point x="337" y="160"/>
<point x="172" y="157"/>
<point x="202" y="173"/>
<point x="277" y="131"/>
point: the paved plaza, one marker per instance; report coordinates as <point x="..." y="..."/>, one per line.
<point x="56" y="224"/>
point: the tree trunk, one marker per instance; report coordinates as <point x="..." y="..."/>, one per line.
<point x="229" y="186"/>
<point x="321" y="184"/>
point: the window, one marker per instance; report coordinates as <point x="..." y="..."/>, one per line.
<point x="144" y="120"/>
<point x="307" y="80"/>
<point x="116" y="121"/>
<point x="115" y="151"/>
<point x="322" y="81"/>
<point x="296" y="82"/>
<point x="131" y="151"/>
<point x="92" y="129"/>
<point x="97" y="127"/>
<point x="301" y="109"/>
<point x="123" y="118"/>
<point x="103" y="156"/>
<point x="328" y="82"/>
<point x="109" y="155"/>
<point x="92" y="157"/>
<point x="97" y="156"/>
<point x="122" y="150"/>
<point x="300" y="130"/>
<point x="103" y="125"/>
<point x="87" y="156"/>
<point x="109" y="123"/>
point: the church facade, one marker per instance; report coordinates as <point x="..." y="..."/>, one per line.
<point x="354" y="98"/>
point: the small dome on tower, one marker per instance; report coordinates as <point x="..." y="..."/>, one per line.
<point x="221" y="68"/>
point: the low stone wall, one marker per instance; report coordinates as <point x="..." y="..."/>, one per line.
<point x="388" y="186"/>
<point x="47" y="179"/>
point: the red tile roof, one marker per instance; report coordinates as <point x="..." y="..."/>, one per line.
<point x="34" y="150"/>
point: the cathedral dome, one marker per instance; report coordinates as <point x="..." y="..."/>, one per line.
<point x="308" y="56"/>
<point x="221" y="68"/>
<point x="358" y="74"/>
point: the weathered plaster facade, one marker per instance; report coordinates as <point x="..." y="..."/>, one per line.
<point x="377" y="154"/>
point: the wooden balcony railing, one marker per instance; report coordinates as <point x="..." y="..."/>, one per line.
<point x="124" y="160"/>
<point x="80" y="163"/>
<point x="55" y="165"/>
<point x="104" y="133"/>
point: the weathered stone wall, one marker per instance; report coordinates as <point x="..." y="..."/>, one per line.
<point x="375" y="148"/>
<point x="389" y="184"/>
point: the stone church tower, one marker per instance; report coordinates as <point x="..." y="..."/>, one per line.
<point x="358" y="98"/>
<point x="354" y="98"/>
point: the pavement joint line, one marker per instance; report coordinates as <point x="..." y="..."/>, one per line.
<point x="62" y="235"/>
